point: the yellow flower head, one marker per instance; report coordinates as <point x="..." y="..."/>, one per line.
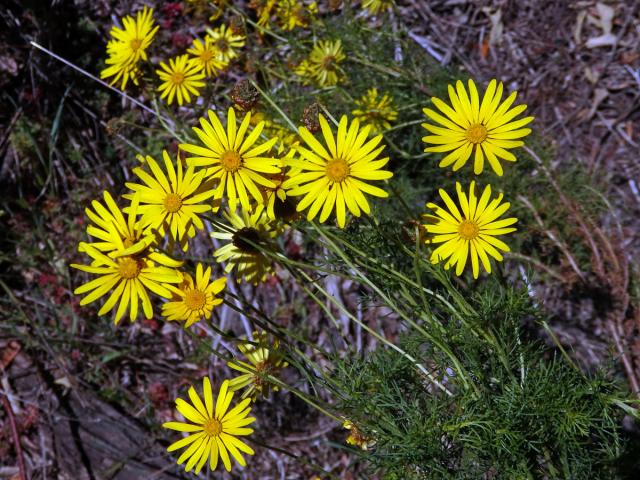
<point x="226" y="43"/>
<point x="324" y="62"/>
<point x="356" y="437"/>
<point x="181" y="79"/>
<point x="294" y="13"/>
<point x="214" y="429"/>
<point x="128" y="46"/>
<point x="470" y="230"/>
<point x="265" y="359"/>
<point x="374" y="111"/>
<point x="332" y="176"/>
<point x="247" y="232"/>
<point x="171" y="201"/>
<point x="377" y="6"/>
<point x="238" y="163"/>
<point x="205" y="56"/>
<point x="194" y="300"/>
<point x="129" y="276"/>
<point x="116" y="234"/>
<point x="469" y="126"/>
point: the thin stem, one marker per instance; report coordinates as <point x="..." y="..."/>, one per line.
<point x="274" y="105"/>
<point x="96" y="79"/>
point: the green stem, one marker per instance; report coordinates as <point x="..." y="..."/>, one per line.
<point x="274" y="105"/>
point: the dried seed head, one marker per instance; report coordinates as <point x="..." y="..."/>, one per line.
<point x="237" y="26"/>
<point x="244" y="95"/>
<point x="310" y="117"/>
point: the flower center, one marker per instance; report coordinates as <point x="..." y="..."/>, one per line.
<point x="195" y="299"/>
<point x="327" y="62"/>
<point x="244" y="238"/>
<point x="173" y="202"/>
<point x="222" y="45"/>
<point x="206" y="55"/>
<point x="177" y="78"/>
<point x="129" y="267"/>
<point x="476" y="133"/>
<point x="337" y="170"/>
<point x="212" y="427"/>
<point x="468" y="229"/>
<point x="231" y="161"/>
<point x="135" y="44"/>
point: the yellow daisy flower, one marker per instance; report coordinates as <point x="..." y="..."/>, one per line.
<point x="194" y="300"/>
<point x="470" y="231"/>
<point x="181" y="79"/>
<point x="333" y="176"/>
<point x="469" y="126"/>
<point x="265" y="359"/>
<point x="129" y="276"/>
<point x="324" y="62"/>
<point x="237" y="162"/>
<point x="172" y="200"/>
<point x="246" y="231"/>
<point x="377" y="6"/>
<point x="214" y="431"/>
<point x="374" y="111"/>
<point x="114" y="232"/>
<point x="205" y="57"/>
<point x="293" y="13"/>
<point x="226" y="43"/>
<point x="128" y="46"/>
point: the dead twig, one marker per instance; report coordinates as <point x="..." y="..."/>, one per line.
<point x="552" y="236"/>
<point x="15" y="436"/>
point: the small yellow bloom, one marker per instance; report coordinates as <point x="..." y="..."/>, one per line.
<point x="195" y="300"/>
<point x="377" y="6"/>
<point x="214" y="430"/>
<point x="374" y="111"/>
<point x="226" y="43"/>
<point x="116" y="234"/>
<point x="181" y="79"/>
<point x="171" y="201"/>
<point x="294" y="13"/>
<point x="357" y="438"/>
<point x="205" y="56"/>
<point x="304" y="71"/>
<point x="264" y="9"/>
<point x="470" y="231"/>
<point x="128" y="46"/>
<point x="236" y="162"/>
<point x="265" y="360"/>
<point x="469" y="126"/>
<point x="247" y="235"/>
<point x="333" y="176"/>
<point x="324" y="62"/>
